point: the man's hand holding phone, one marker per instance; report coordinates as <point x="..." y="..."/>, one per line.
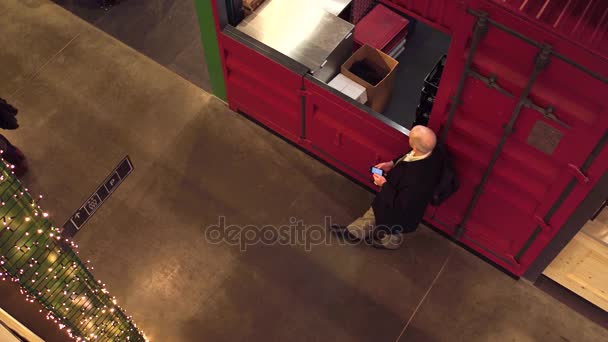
<point x="379" y="180"/>
<point x="378" y="175"/>
<point x="386" y="166"/>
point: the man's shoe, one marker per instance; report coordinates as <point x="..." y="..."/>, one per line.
<point x="373" y="242"/>
<point x="337" y="228"/>
<point x="341" y="231"/>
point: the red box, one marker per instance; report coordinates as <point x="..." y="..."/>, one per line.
<point x="381" y="28"/>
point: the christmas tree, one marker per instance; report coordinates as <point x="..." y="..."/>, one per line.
<point x="34" y="254"/>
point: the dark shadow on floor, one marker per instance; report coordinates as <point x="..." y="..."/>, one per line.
<point x="165" y="30"/>
<point x="476" y="303"/>
<point x="574" y="301"/>
<point x="285" y="292"/>
<point x="88" y="10"/>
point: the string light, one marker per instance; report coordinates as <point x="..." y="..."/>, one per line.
<point x="34" y="252"/>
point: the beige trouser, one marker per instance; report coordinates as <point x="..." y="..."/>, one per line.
<point x="365" y="225"/>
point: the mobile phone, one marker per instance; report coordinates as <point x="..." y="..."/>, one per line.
<point x="377" y="171"/>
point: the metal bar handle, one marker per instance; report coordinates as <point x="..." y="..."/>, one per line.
<point x="541" y="61"/>
<point x="479" y="31"/>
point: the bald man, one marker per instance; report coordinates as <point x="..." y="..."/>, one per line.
<point x="405" y="191"/>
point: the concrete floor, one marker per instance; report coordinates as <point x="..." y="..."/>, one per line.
<point x="165" y="30"/>
<point x="86" y="100"/>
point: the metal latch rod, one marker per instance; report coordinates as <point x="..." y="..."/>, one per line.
<point x="479" y="31"/>
<point x="541" y="61"/>
<point x="490" y="81"/>
<point x="547" y="113"/>
<point x="531" y="41"/>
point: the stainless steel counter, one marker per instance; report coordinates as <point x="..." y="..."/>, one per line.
<point x="334" y="7"/>
<point x="303" y="31"/>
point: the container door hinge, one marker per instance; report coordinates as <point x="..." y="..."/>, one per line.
<point x="542" y="223"/>
<point x="491" y="82"/>
<point x="578" y="174"/>
<point x="459" y="232"/>
<point x="548" y="113"/>
<point x="338" y="139"/>
<point x="455" y="100"/>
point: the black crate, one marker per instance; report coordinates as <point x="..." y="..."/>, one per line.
<point x="422" y="117"/>
<point x="431" y="81"/>
<point x="426" y="99"/>
<point x="428" y="93"/>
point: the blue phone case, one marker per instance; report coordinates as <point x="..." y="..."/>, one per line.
<point x="377" y="171"/>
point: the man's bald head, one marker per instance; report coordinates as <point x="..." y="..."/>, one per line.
<point x="422" y="139"/>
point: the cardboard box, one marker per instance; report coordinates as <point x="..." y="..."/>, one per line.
<point x="379" y="95"/>
<point x="252" y="5"/>
<point x="349" y="88"/>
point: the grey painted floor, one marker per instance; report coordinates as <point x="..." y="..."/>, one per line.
<point x="165" y="30"/>
<point x="86" y="100"/>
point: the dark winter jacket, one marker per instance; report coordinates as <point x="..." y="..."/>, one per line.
<point x="8" y="113"/>
<point x="409" y="187"/>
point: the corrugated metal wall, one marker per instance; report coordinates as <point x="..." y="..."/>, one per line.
<point x="583" y="21"/>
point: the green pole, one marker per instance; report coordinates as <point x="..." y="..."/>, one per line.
<point x="206" y="23"/>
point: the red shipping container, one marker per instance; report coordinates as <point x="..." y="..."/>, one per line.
<point x="585" y="22"/>
<point x="522" y="95"/>
<point x="440" y="14"/>
<point x="381" y="28"/>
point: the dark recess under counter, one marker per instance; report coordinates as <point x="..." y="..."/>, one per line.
<point x="422" y="50"/>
